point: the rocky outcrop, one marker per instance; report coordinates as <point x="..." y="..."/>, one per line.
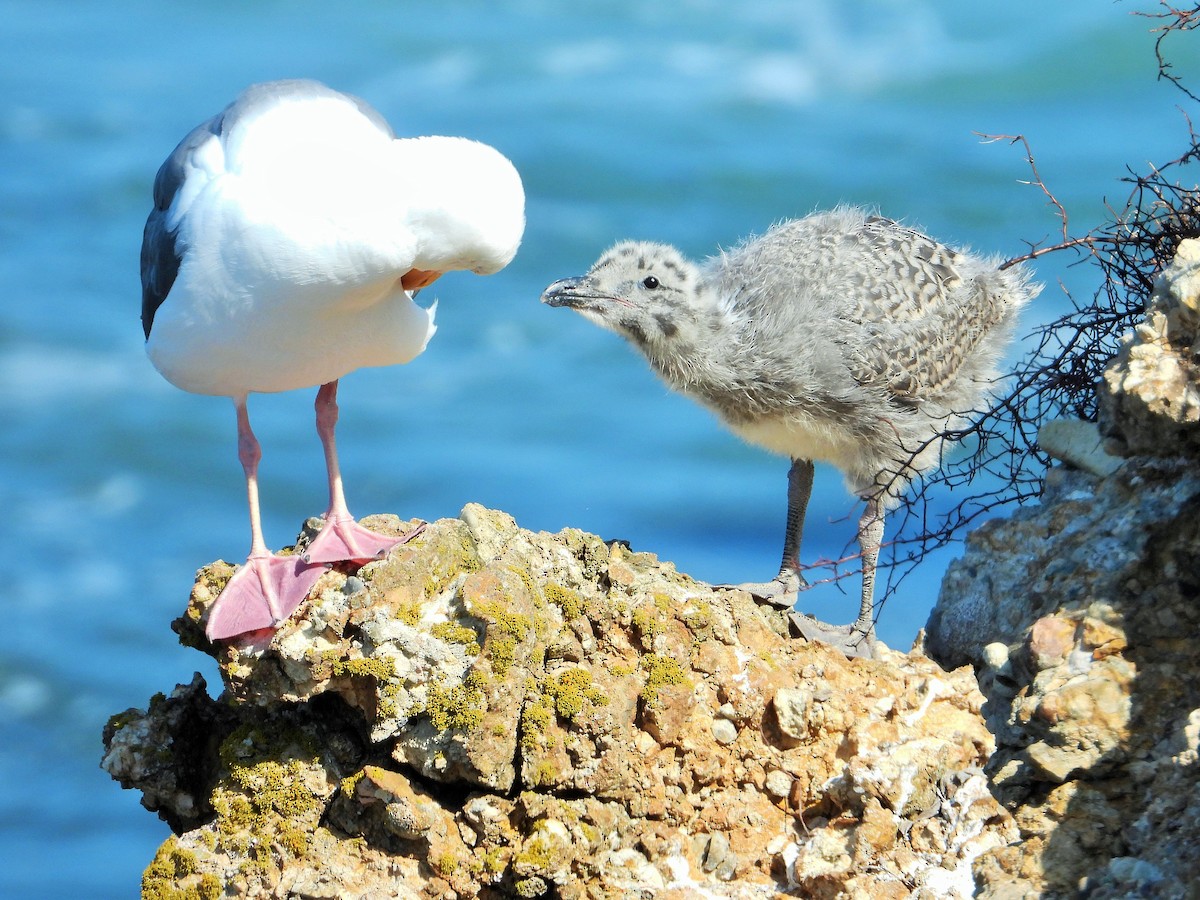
<point x="1081" y="617"/>
<point x="1150" y="399"/>
<point x="494" y="712"/>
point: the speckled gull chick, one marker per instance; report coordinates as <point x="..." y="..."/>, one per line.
<point x="289" y="235"/>
<point x="842" y="337"/>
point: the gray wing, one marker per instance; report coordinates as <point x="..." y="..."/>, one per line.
<point x="920" y="315"/>
<point x="161" y="253"/>
<point x="909" y="276"/>
<point x="268" y="93"/>
<point x="371" y="113"/>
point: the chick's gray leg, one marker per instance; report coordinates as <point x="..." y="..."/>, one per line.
<point x="857" y="639"/>
<point x="870" y="537"/>
<point x="781" y="591"/>
<point x="800" y="482"/>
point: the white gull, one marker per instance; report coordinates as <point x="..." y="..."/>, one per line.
<point x="289" y="234"/>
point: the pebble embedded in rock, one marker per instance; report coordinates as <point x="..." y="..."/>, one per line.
<point x="724" y="731"/>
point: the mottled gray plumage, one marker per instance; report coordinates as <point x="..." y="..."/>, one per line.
<point x="160" y="254"/>
<point x="842" y="337"/>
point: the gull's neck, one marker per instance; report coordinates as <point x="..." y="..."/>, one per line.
<point x="700" y="357"/>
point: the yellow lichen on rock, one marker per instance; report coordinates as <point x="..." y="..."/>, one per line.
<point x="540" y="714"/>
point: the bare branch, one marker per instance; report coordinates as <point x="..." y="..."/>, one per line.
<point x="1060" y="211"/>
<point x="1176" y="20"/>
<point x="999" y="463"/>
<point x="1036" y="250"/>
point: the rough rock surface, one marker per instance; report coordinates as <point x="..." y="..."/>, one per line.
<point x="1150" y="399"/>
<point x="1081" y="617"/>
<point x="492" y="712"/>
<point x="1079" y="445"/>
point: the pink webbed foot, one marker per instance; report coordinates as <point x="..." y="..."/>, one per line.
<point x="342" y="539"/>
<point x="261" y="594"/>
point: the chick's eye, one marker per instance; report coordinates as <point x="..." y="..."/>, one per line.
<point x="650" y="281"/>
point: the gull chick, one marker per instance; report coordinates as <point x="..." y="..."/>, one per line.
<point x="842" y="337"/>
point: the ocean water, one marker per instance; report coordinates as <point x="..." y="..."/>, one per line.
<point x="694" y="122"/>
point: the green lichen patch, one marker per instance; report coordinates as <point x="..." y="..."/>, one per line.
<point x="449" y="562"/>
<point x="533" y="886"/>
<point x="493" y="862"/>
<point x="506" y="629"/>
<point x="651" y="619"/>
<point x="572" y="691"/>
<point x="619" y="668"/>
<point x="381" y="668"/>
<point x="273" y="813"/>
<point x="271" y="739"/>
<point x="408" y="613"/>
<point x="546" y="853"/>
<point x="454" y="633"/>
<point x="565" y="599"/>
<point x="543" y="774"/>
<point x="565" y="695"/>
<point x="590" y="833"/>
<point x="503" y="653"/>
<point x="698" y="616"/>
<point x="267" y="806"/>
<point x="386" y="707"/>
<point x="350" y="783"/>
<point x="536" y="855"/>
<point x="661" y="671"/>
<point x="536" y="718"/>
<point x="447" y="864"/>
<point x="279" y="802"/>
<point x="647" y="624"/>
<point x="460" y="707"/>
<point x="172" y="875"/>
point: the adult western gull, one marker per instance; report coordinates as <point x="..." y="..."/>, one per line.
<point x="289" y="234"/>
<point x="842" y="337"/>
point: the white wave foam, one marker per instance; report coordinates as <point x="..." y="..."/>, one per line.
<point x="39" y="374"/>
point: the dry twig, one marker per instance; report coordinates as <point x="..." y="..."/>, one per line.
<point x="1003" y="465"/>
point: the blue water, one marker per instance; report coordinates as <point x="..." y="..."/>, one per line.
<point x="695" y="123"/>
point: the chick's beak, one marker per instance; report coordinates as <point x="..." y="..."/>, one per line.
<point x="581" y="294"/>
<point x="564" y="292"/>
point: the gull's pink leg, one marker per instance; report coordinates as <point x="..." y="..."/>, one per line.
<point x="268" y="588"/>
<point x="341" y="539"/>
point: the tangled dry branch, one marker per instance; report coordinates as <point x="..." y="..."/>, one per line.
<point x="1000" y="463"/>
<point x="1175" y="20"/>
